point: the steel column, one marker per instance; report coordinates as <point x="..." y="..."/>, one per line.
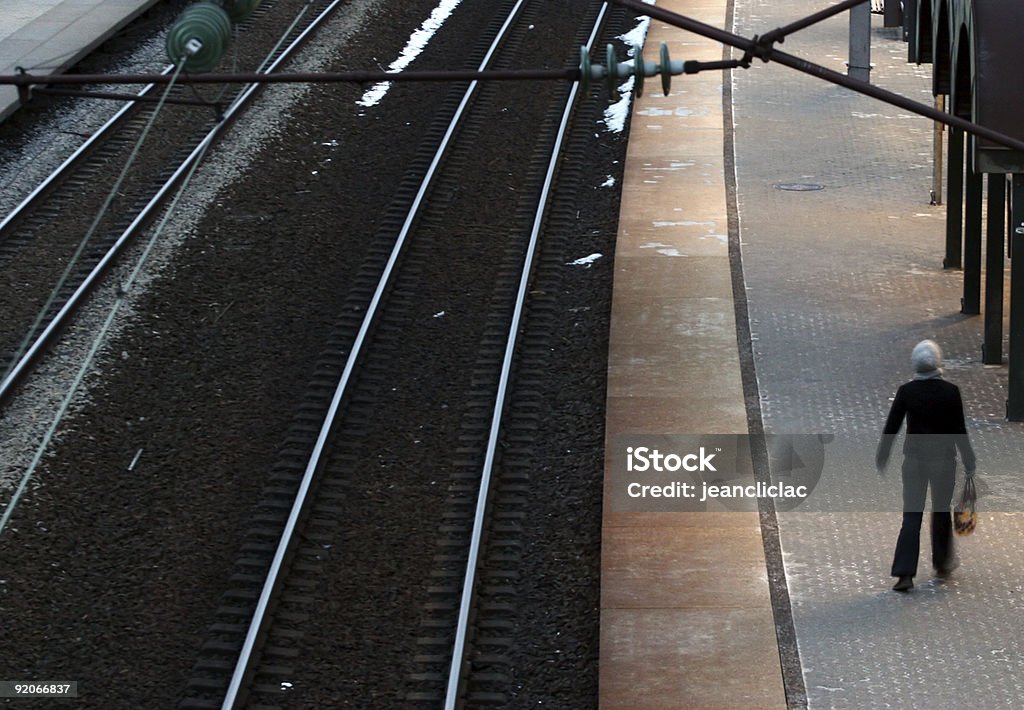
<point x="954" y="199"/>
<point x="940" y="129"/>
<point x="970" y="304"/>
<point x="1009" y="214"/>
<point x="910" y="30"/>
<point x="892" y="14"/>
<point x="995" y="234"/>
<point x="859" y="66"/>
<point x="1015" y="402"/>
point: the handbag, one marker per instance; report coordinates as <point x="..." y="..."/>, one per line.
<point x="965" y="515"/>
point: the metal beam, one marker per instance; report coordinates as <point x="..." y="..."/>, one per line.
<point x="892" y="15"/>
<point x="954" y="200"/>
<point x="354" y="77"/>
<point x="940" y="104"/>
<point x="910" y="29"/>
<point x="1015" y="401"/>
<point x="859" y="66"/>
<point x="780" y="33"/>
<point x="995" y="236"/>
<point x="970" y="304"/>
<point x="124" y="97"/>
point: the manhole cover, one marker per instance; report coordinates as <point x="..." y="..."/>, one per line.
<point x="799" y="186"/>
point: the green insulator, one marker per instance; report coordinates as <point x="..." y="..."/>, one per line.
<point x="638" y="71"/>
<point x="666" y="69"/>
<point x="584" y="71"/>
<point x="239" y="10"/>
<point x="199" y="37"/>
<point x="612" y="75"/>
<point x="588" y="72"/>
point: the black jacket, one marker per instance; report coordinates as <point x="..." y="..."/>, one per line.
<point x="935" y="423"/>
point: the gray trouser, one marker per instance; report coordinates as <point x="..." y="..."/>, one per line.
<point x="918" y="475"/>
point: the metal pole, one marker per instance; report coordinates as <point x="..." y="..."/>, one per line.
<point x="893" y="14"/>
<point x="356" y="77"/>
<point x="780" y="33"/>
<point x="910" y="29"/>
<point x="995" y="234"/>
<point x="940" y="129"/>
<point x="954" y="200"/>
<point x="859" y="66"/>
<point x="970" y="304"/>
<point x="1015" y="402"/>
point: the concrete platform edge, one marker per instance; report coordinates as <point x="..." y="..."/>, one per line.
<point x="687" y="615"/>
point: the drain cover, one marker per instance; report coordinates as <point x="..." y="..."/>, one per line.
<point x="799" y="186"/>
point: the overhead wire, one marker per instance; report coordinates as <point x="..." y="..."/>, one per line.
<point x="120" y="298"/>
<point x="266" y="65"/>
<point x="97" y="220"/>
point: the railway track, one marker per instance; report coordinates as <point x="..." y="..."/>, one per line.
<point x="57" y="245"/>
<point x="222" y="347"/>
<point x="458" y="421"/>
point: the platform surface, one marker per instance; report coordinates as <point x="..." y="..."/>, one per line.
<point x="48" y="36"/>
<point x="841" y="255"/>
<point x="842" y="283"/>
<point x="686" y="616"/>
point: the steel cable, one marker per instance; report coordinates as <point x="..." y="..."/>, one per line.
<point x="98" y="340"/>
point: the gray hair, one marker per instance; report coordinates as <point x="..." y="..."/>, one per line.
<point x="926" y="356"/>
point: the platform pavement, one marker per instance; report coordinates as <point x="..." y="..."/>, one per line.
<point x="678" y="627"/>
<point x="841" y="282"/>
<point x="49" y="36"/>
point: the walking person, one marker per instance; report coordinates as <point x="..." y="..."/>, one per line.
<point x="936" y="430"/>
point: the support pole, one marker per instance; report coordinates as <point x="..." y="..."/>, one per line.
<point x="995" y="235"/>
<point x="910" y="30"/>
<point x="1009" y="214"/>
<point x="892" y="15"/>
<point x="954" y="199"/>
<point x="1015" y="402"/>
<point x="970" y="304"/>
<point x="859" y="66"/>
<point x="940" y="130"/>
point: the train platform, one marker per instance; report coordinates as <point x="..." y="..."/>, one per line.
<point x="837" y="259"/>
<point x="49" y="36"/>
<point x="686" y="614"/>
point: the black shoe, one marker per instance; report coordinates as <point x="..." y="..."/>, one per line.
<point x="905" y="584"/>
<point x="947" y="569"/>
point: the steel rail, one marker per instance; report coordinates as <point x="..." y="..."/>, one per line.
<point x="73" y="159"/>
<point x="38" y="347"/>
<point x="754" y="48"/>
<point x="462" y="630"/>
<point x="273" y="579"/>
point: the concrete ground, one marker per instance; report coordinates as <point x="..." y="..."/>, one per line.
<point x="686" y="614"/>
<point x="842" y="266"/>
<point x="48" y="36"/>
<point x="842" y="283"/>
